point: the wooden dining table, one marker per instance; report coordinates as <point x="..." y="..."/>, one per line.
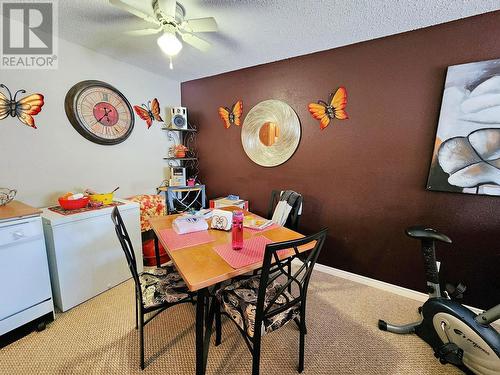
<point x="202" y="267"/>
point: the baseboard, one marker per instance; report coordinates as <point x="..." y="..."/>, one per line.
<point x="404" y="292"/>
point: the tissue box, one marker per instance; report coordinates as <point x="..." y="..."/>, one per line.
<point x="224" y="202"/>
<point x="222" y="220"/>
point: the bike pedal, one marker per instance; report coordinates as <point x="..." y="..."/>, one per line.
<point x="450" y="353"/>
<point x="456" y="291"/>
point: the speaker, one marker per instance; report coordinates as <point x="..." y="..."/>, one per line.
<point x="177" y="176"/>
<point x="178" y="117"/>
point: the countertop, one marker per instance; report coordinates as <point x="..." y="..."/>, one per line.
<point x="54" y="218"/>
<point x="17" y="210"/>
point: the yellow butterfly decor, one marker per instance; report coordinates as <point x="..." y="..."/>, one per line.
<point x="335" y="108"/>
<point x="24" y="108"/>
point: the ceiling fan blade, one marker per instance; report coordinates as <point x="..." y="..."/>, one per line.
<point x="120" y="4"/>
<point x="143" y="32"/>
<point x="195" y="41"/>
<point x="201" y="25"/>
<point x="168" y="6"/>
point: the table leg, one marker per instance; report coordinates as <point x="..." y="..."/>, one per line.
<point x="203" y="330"/>
<point x="157" y="251"/>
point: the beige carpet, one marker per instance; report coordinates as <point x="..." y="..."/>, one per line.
<point x="98" y="337"/>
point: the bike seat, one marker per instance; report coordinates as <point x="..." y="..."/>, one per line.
<point x="424" y="233"/>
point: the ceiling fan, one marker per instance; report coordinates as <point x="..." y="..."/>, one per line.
<point x="169" y="18"/>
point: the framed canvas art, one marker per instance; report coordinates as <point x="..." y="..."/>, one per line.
<point x="466" y="157"/>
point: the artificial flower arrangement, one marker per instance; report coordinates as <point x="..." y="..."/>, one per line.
<point x="180" y="151"/>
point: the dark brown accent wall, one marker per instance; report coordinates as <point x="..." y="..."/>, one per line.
<point x="364" y="178"/>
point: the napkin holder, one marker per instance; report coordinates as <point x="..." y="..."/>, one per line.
<point x="222" y="220"/>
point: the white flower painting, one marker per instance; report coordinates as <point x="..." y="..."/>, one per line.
<point x="466" y="155"/>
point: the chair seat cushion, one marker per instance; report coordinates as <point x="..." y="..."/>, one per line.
<point x="239" y="301"/>
<point x="162" y="285"/>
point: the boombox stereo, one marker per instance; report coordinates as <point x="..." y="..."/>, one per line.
<point x="178" y="117"/>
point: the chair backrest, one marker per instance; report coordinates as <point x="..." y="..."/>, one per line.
<point x="127" y="247"/>
<point x="274" y="268"/>
<point x="292" y="221"/>
<point x="181" y="199"/>
<point x="150" y="205"/>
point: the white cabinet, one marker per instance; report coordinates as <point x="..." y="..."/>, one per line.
<point x="24" y="274"/>
<point x="85" y="256"/>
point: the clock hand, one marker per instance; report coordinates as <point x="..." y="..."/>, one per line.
<point x="106" y="112"/>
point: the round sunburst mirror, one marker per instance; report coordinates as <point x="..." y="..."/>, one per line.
<point x="270" y="133"/>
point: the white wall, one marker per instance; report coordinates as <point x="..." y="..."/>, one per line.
<point x="43" y="163"/>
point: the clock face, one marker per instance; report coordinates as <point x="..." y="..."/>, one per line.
<point x="99" y="112"/>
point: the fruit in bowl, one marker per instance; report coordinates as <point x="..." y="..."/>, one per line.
<point x="104" y="198"/>
<point x="70" y="201"/>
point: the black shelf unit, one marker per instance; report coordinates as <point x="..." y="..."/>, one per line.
<point x="187" y="137"/>
<point x="179" y="130"/>
<point x="181" y="159"/>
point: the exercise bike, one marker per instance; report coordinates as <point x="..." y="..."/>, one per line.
<point x="456" y="334"/>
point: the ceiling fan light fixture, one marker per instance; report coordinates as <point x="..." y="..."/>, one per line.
<point x="169" y="44"/>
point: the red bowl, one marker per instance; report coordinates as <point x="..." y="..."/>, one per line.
<point x="73" y="204"/>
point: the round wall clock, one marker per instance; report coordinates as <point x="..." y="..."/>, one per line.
<point x="99" y="112"/>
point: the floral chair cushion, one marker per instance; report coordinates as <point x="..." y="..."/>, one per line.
<point x="162" y="285"/>
<point x="150" y="206"/>
<point x="239" y="301"/>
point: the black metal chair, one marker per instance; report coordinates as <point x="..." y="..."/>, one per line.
<point x="155" y="290"/>
<point x="262" y="303"/>
<point x="292" y="221"/>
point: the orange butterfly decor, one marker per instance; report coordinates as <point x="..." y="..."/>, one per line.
<point x="149" y="112"/>
<point x="24" y="108"/>
<point x="231" y="116"/>
<point x="335" y="108"/>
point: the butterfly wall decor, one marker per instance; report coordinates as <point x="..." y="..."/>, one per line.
<point x="149" y="112"/>
<point x="231" y="116"/>
<point x="335" y="108"/>
<point x="24" y="108"/>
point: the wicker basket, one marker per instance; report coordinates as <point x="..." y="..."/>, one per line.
<point x="6" y="195"/>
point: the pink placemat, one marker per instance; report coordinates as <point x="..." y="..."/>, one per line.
<point x="176" y="241"/>
<point x="252" y="252"/>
